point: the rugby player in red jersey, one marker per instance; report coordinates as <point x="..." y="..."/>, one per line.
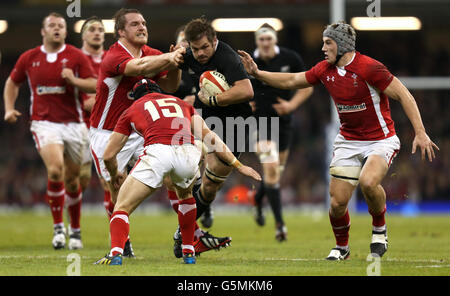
<point x="367" y="143"/>
<point x="56" y="72"/>
<point x="126" y="62"/>
<point x="168" y="125"/>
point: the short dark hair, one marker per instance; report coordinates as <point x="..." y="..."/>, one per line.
<point x="120" y="20"/>
<point x="55" y="14"/>
<point x="199" y="27"/>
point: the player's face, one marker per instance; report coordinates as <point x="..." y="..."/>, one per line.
<point x="203" y="49"/>
<point x="329" y="49"/>
<point x="135" y="30"/>
<point x="266" y="45"/>
<point x="54" y="30"/>
<point x="94" y="36"/>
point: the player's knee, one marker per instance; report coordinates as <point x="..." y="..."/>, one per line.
<point x="338" y="206"/>
<point x="84" y="182"/>
<point x="55" y="172"/>
<point x="271" y="173"/>
<point x="367" y="184"/>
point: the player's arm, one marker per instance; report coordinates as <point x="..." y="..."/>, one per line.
<point x="86" y="85"/>
<point x="214" y="143"/>
<point x="284" y="107"/>
<point x="89" y="102"/>
<point x="397" y="91"/>
<point x="115" y="144"/>
<point x="274" y="79"/>
<point x="150" y="66"/>
<point x="10" y="93"/>
<point x="241" y="91"/>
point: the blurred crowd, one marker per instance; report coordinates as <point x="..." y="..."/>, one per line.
<point x="23" y="176"/>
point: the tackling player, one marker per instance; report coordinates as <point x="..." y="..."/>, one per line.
<point x="367" y="143"/>
<point x="126" y="62"/>
<point x="270" y="102"/>
<point x="55" y="72"/>
<point x="168" y="125"/>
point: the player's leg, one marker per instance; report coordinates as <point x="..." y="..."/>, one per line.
<point x="216" y="172"/>
<point x="53" y="158"/>
<point x="73" y="201"/>
<point x="131" y="194"/>
<point x="340" y="193"/>
<point x="372" y="174"/>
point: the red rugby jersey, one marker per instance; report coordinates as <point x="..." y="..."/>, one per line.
<point x="52" y="98"/>
<point x="357" y="92"/>
<point x="114" y="88"/>
<point x="160" y="119"/>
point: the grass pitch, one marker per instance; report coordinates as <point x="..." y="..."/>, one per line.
<point x="417" y="246"/>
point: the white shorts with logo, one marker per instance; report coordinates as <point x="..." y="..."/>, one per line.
<point x="347" y="153"/>
<point x="127" y="156"/>
<point x="179" y="162"/>
<point x="73" y="135"/>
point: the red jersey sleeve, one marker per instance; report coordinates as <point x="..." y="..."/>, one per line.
<point x="313" y="74"/>
<point x="123" y="125"/>
<point x="114" y="64"/>
<point x="377" y="75"/>
<point x="18" y="73"/>
<point x="152" y="51"/>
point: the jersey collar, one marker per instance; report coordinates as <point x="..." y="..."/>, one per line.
<point x="124" y="47"/>
<point x="256" y="52"/>
<point x="59" y="51"/>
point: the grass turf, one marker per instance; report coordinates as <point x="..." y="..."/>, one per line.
<point x="417" y="246"/>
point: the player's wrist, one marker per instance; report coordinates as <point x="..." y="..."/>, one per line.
<point x="213" y="101"/>
<point x="235" y="163"/>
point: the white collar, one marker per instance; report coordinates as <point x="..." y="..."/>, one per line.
<point x="124" y="47"/>
<point x="351" y="60"/>
<point x="256" y="52"/>
<point x="60" y="50"/>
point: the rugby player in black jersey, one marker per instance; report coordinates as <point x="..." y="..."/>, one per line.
<point x="270" y="102"/>
<point x="205" y="53"/>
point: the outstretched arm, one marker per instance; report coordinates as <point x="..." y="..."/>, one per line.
<point x="214" y="143"/>
<point x="397" y="91"/>
<point x="274" y="79"/>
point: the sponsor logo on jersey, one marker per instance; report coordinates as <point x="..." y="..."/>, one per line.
<point x="50" y="90"/>
<point x="354" y="108"/>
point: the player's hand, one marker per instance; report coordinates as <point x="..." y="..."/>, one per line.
<point x="176" y="56"/>
<point x="426" y="146"/>
<point x="117" y="180"/>
<point x="12" y="115"/>
<point x="68" y="75"/>
<point x="283" y="107"/>
<point x="249" y="64"/>
<point x="248" y="171"/>
<point x="189" y="99"/>
<point x="203" y="97"/>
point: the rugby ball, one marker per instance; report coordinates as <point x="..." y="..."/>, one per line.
<point x="213" y="83"/>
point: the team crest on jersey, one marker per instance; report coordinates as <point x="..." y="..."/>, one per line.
<point x="64" y="62"/>
<point x="50" y="90"/>
<point x="353" y="108"/>
<point x="355" y="81"/>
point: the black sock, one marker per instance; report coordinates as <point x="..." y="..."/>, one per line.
<point x="201" y="203"/>
<point x="259" y="195"/>
<point x="273" y="194"/>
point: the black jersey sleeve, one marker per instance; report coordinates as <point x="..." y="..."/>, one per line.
<point x="297" y="63"/>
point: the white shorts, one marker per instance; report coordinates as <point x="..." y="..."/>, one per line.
<point x="127" y="156"/>
<point x="353" y="153"/>
<point x="73" y="135"/>
<point x="180" y="162"/>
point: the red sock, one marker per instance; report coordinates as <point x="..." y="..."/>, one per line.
<point x="341" y="227"/>
<point x="119" y="229"/>
<point x="108" y="204"/>
<point x="174" y="202"/>
<point x="187" y="212"/>
<point x="74" y="208"/>
<point x="55" y="198"/>
<point x="378" y="219"/>
<point x="173" y="198"/>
